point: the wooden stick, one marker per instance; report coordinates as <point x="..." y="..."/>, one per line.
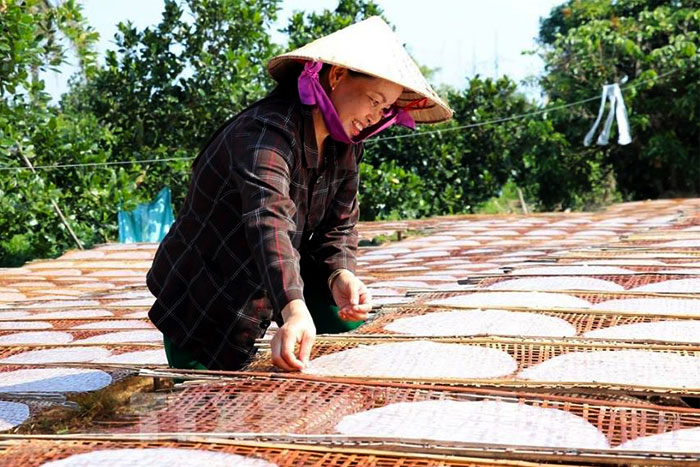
<point x="373" y="339"/>
<point x="55" y="206"/>
<point x="414" y="292"/>
<point x="382" y="447"/>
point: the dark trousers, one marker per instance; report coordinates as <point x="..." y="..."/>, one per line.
<point x="318" y="300"/>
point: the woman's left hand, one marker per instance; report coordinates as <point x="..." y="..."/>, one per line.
<point x="352" y="297"/>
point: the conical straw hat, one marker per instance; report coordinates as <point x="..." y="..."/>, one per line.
<point x="371" y="47"/>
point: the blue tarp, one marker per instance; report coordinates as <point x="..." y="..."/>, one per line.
<point x="149" y="222"/>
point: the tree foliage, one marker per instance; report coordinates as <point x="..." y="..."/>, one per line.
<point x="164" y="89"/>
<point x="589" y="43"/>
<point x="32" y="129"/>
<point x="303" y="28"/>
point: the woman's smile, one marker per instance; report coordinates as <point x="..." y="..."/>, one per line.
<point x="357" y="127"/>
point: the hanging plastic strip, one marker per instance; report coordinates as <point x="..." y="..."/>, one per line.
<point x="617" y="111"/>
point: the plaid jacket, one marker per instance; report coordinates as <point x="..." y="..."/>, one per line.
<point x="260" y="196"/>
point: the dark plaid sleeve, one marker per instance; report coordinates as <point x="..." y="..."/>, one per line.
<point x="261" y="167"/>
<point x="334" y="242"/>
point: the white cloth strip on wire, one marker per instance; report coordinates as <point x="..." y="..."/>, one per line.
<point x="618" y="110"/>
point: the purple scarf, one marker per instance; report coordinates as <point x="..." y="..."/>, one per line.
<point x="312" y="93"/>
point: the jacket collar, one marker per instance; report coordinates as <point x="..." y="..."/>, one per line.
<point x="344" y="155"/>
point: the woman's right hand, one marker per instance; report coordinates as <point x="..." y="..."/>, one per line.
<point x="297" y="333"/>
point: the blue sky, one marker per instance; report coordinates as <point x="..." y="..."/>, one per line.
<point x="460" y="37"/>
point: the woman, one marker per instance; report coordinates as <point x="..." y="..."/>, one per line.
<point x="267" y="230"/>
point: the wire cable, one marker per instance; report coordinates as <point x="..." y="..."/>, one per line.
<point x="374" y="140"/>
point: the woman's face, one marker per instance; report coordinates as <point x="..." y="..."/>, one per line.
<point x="360" y="100"/>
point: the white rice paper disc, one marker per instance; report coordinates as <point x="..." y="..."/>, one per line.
<point x="472" y="266"/>
<point x="449" y="262"/>
<point x="408" y="268"/>
<point x="632" y="367"/>
<point x="678" y="244"/>
<point x="399" y="284"/>
<point x="157" y="457"/>
<point x="389" y="251"/>
<point x="72" y="314"/>
<point x="85" y="254"/>
<point x="427" y="254"/>
<point x="667" y="331"/>
<point x="384" y="292"/>
<point x="437" y="238"/>
<point x="112" y="274"/>
<point x="505" y="242"/>
<point x="129" y="295"/>
<point x="143" y="357"/>
<point x="396" y="300"/>
<point x="39" y="337"/>
<point x="572" y="270"/>
<point x="688" y="271"/>
<point x="660" y="220"/>
<point x="672" y="286"/>
<point x="501" y="233"/>
<point x="64" y="355"/>
<point x="12" y="414"/>
<point x="660" y="306"/>
<point x="514" y="254"/>
<point x="130" y="255"/>
<point x="557" y="283"/>
<point x="124" y="337"/>
<point x="115" y="324"/>
<point x="373" y="258"/>
<point x="11" y="297"/>
<point x="136" y="314"/>
<point x="475" y="322"/>
<point x="431" y="277"/>
<point x="53" y="380"/>
<point x="687" y="440"/>
<point x="460" y="243"/>
<point x="481" y="251"/>
<point x="513" y="299"/>
<point x="64" y="303"/>
<point x="417" y="359"/>
<point x="618" y="220"/>
<point x="480" y="422"/>
<point x="24" y="325"/>
<point x="135" y="302"/>
<point x="33" y="284"/>
<point x="621" y="262"/>
<point x="13" y="314"/>
<point x="594" y="233"/>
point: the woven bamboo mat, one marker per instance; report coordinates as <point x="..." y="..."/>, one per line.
<point x="104" y="323"/>
<point x="627" y="281"/>
<point x="582" y="320"/>
<point x="307" y="410"/>
<point x="37" y="451"/>
<point x="525" y="352"/>
<point x="79" y="355"/>
<point x="304" y="404"/>
<point x="424" y="296"/>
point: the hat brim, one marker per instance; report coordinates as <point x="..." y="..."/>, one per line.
<point x="424" y="109"/>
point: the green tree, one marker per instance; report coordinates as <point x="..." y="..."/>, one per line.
<point x="466" y="161"/>
<point x="166" y="89"/>
<point x="303" y="28"/>
<point x="32" y="129"/>
<point x="588" y="43"/>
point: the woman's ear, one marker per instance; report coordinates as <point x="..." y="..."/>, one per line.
<point x="335" y="74"/>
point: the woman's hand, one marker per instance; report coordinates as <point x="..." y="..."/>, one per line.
<point x="291" y="345"/>
<point x="352" y="297"/>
